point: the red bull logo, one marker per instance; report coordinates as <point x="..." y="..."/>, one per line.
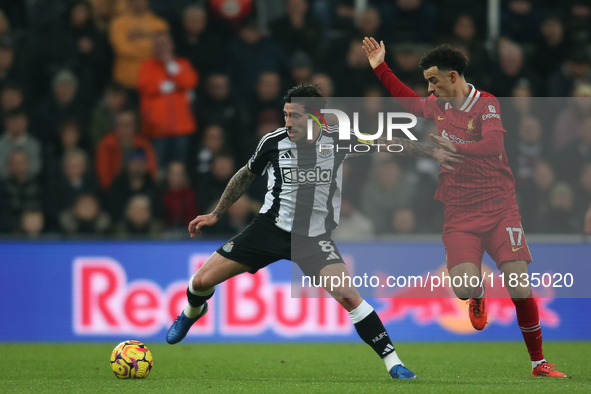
<point x="106" y="303"/>
<point x="443" y="308"/>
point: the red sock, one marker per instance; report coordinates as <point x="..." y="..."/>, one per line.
<point x="529" y="323"/>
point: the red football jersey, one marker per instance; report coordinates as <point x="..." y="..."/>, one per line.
<point x="480" y="183"/>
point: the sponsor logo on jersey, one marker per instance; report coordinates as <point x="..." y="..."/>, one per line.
<point x="295" y="175"/>
<point x="492" y="109"/>
<point x="488" y="116"/>
<point x="454" y="139"/>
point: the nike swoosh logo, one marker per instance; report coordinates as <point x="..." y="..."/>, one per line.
<point x="440" y="118"/>
<point x="516" y="249"/>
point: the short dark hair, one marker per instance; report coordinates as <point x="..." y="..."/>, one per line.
<point x="15" y="112"/>
<point x="310" y="91"/>
<point x="444" y="57"/>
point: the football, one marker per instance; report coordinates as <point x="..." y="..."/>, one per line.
<point x="131" y="360"/>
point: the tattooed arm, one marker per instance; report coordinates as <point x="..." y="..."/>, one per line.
<point x="235" y="189"/>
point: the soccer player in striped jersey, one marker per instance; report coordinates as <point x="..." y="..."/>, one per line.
<point x="480" y="208"/>
<point x="295" y="223"/>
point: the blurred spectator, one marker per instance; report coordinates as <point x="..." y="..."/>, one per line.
<point x="115" y="149"/>
<point x="165" y="86"/>
<point x="407" y="15"/>
<point x="86" y="217"/>
<point x="11" y="99"/>
<point x="324" y="82"/>
<point x="8" y="68"/>
<point x="370" y="24"/>
<point x="299" y="30"/>
<point x="582" y="195"/>
<point x="63" y="104"/>
<point x="559" y="217"/>
<point x="533" y="197"/>
<point x="579" y="20"/>
<point x="521" y="20"/>
<point x="587" y="221"/>
<point x="353" y="226"/>
<point x="248" y="55"/>
<point x="511" y="71"/>
<point x="352" y="77"/>
<point x="404" y="221"/>
<point x="131" y="36"/>
<point x="575" y="70"/>
<point x="464" y="33"/>
<point x="4" y="24"/>
<point x="300" y="68"/>
<point x="32" y="223"/>
<point x="217" y="106"/>
<point x="552" y="49"/>
<point x="79" y="46"/>
<point x="198" y="43"/>
<point x="106" y="10"/>
<point x="231" y="13"/>
<point x="528" y="150"/>
<point x="103" y="116"/>
<point x="578" y="152"/>
<point x="74" y="179"/>
<point x="138" y="219"/>
<point x="211" y="186"/>
<point x="406" y="64"/>
<point x="386" y="191"/>
<point x="212" y="143"/>
<point x="268" y="94"/>
<point x="135" y="179"/>
<point x="22" y="191"/>
<point x="15" y="137"/>
<point x="179" y="198"/>
<point x="570" y="119"/>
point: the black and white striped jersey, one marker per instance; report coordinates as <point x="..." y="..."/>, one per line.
<point x="305" y="181"/>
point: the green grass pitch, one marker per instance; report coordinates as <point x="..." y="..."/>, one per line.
<point x="294" y="368"/>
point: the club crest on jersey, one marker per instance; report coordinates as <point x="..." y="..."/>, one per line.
<point x="325" y="151"/>
<point x="228" y="246"/>
<point x="470" y="125"/>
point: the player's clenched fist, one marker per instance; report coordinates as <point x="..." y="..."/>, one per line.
<point x="200" y="221"/>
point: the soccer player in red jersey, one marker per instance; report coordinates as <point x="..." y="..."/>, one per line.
<point x="480" y="208"/>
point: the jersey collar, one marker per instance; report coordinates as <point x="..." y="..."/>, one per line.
<point x="470" y="100"/>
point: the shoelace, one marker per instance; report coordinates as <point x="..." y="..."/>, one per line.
<point x="547" y="366"/>
<point x="475" y="306"/>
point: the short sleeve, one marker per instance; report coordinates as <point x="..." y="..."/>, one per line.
<point x="259" y="160"/>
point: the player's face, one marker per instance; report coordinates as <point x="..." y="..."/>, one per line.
<point x="295" y="121"/>
<point x="440" y="83"/>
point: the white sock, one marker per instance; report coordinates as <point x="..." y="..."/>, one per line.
<point x="391" y="360"/>
<point x="536" y="363"/>
<point x="192" y="311"/>
<point x="360" y="312"/>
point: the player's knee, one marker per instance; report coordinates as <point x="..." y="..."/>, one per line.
<point x="202" y="281"/>
<point x="463" y="293"/>
<point x="519" y="292"/>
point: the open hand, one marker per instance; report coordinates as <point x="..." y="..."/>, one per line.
<point x="200" y="221"/>
<point x="444" y="158"/>
<point x="375" y="52"/>
<point x="444" y="143"/>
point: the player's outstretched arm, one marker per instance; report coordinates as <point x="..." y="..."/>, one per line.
<point x="235" y="189"/>
<point x="414" y="148"/>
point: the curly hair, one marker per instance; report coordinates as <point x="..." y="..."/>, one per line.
<point x="444" y="57"/>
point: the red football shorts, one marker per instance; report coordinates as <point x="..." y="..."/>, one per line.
<point x="466" y="235"/>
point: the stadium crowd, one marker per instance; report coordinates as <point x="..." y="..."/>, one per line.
<point x="127" y="118"/>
